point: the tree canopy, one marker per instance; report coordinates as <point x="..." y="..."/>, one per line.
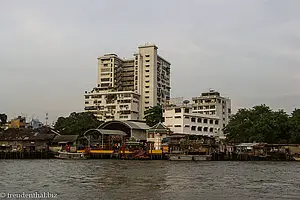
<point x="261" y="124"/>
<point x="76" y="123"/>
<point x="154" y="115"/>
<point x="295" y="126"/>
<point x="3" y="119"/>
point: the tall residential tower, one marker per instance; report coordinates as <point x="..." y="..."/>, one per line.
<point x="126" y="88"/>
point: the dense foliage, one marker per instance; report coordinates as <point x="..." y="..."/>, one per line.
<point x="3" y="119"/>
<point x="261" y="124"/>
<point x="76" y="123"/>
<point x="154" y="115"/>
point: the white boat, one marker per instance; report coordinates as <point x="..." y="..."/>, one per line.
<point x="71" y="156"/>
<point x="296" y="158"/>
<point x="201" y="157"/>
<point x="181" y="157"/>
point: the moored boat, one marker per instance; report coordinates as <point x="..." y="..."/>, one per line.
<point x="201" y="157"/>
<point x="296" y="158"/>
<point x="181" y="157"/>
<point x="71" y="156"/>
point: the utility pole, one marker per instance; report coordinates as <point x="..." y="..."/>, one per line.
<point x="46" y="119"/>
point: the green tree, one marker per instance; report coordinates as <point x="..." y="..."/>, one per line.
<point x="295" y="126"/>
<point x="259" y="124"/>
<point x="3" y="119"/>
<point x="76" y="123"/>
<point x="154" y="115"/>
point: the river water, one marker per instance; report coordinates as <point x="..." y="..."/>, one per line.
<point x="131" y="179"/>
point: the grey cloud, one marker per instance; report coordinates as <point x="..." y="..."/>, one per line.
<point x="248" y="50"/>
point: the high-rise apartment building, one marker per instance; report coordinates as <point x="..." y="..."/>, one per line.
<point x="143" y="80"/>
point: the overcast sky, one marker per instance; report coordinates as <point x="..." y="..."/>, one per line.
<point x="247" y="50"/>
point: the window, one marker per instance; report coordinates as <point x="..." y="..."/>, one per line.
<point x="211" y="121"/>
<point x="177" y="117"/>
<point x="86" y="102"/>
<point x="105" y="79"/>
<point x="229" y="110"/>
<point x="205" y="129"/>
<point x="193" y="119"/>
<point x="147" y="76"/>
<point x="177" y="110"/>
<point x="212" y="107"/>
<point x="199" y="128"/>
<point x="146" y="97"/>
<point x="211" y="130"/>
<point x="217" y="122"/>
<point x="146" y="92"/>
<point x="146" y="101"/>
<point x="147" y="86"/>
<point x="186" y="117"/>
<point x="193" y="128"/>
<point x="177" y="125"/>
<point x="186" y="125"/>
<point x="147" y="71"/>
<point x="147" y="55"/>
<point x="147" y="81"/>
<point x="199" y="120"/>
<point x="205" y="121"/>
<point x="186" y="110"/>
<point x="147" y="65"/>
<point x="147" y="60"/>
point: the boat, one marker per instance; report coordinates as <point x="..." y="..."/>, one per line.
<point x="181" y="157"/>
<point x="70" y="156"/>
<point x="296" y="158"/>
<point x="201" y="157"/>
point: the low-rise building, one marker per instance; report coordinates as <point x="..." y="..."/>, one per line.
<point x="26" y="140"/>
<point x="212" y="103"/>
<point x="182" y="120"/>
<point x="19" y="122"/>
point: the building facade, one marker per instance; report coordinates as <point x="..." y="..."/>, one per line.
<point x="182" y="120"/>
<point x="110" y="105"/>
<point x="144" y="81"/>
<point x="207" y="115"/>
<point x="212" y="103"/>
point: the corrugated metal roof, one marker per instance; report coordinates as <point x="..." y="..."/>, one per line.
<point x="111" y="132"/>
<point x="130" y="124"/>
<point x="107" y="132"/>
<point x="137" y="125"/>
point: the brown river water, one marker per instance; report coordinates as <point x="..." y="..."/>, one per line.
<point x="132" y="179"/>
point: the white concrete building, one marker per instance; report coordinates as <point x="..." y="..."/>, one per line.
<point x="109" y="105"/>
<point x="145" y="80"/>
<point x="211" y="103"/>
<point x="205" y="115"/>
<point x="181" y="120"/>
